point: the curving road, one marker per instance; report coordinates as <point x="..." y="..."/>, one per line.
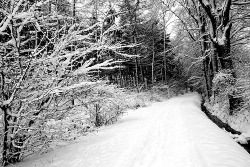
<point x="174" y="133"/>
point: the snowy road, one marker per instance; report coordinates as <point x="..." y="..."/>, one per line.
<point x="174" y="133"/>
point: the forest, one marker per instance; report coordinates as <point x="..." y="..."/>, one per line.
<point x="70" y="66"/>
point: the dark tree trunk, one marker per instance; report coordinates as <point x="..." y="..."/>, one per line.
<point x="207" y="66"/>
<point x="74" y="8"/>
<point x="136" y="74"/>
<point x="5" y="136"/>
<point x="49" y="6"/>
<point x="11" y="153"/>
<point x="153" y="56"/>
<point x="206" y="76"/>
<point x="164" y="49"/>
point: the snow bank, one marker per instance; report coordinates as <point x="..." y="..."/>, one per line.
<point x="239" y="121"/>
<point x="215" y="146"/>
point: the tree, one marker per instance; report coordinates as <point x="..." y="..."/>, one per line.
<point x="219" y="14"/>
<point x="37" y="71"/>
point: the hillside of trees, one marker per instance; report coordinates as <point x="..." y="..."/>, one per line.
<point x="68" y="66"/>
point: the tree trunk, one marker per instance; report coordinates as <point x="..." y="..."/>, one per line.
<point x="146" y="83"/>
<point x="49" y="6"/>
<point x="204" y="48"/>
<point x="74" y="9"/>
<point x="136" y="74"/>
<point x="134" y="80"/>
<point x="5" y="137"/>
<point x="153" y="58"/>
<point x="164" y="50"/>
<point x="214" y="60"/>
<point x="142" y="75"/>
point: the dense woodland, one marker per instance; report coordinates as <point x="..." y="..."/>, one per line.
<point x="67" y="66"/>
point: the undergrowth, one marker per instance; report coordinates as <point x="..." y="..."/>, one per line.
<point x="77" y="112"/>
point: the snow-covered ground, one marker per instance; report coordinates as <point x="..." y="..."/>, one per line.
<point x="174" y="133"/>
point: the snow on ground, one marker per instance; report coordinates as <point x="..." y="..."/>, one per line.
<point x="174" y="133"/>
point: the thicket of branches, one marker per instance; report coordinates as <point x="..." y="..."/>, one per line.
<point x="61" y="64"/>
